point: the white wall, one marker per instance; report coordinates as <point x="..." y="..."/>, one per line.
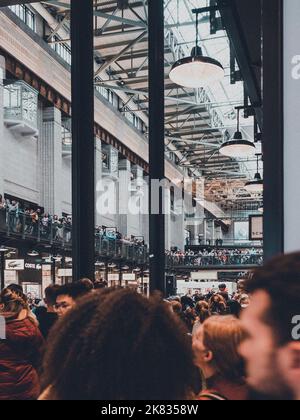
<point x="66" y="181"/>
<point x="20" y="157"/>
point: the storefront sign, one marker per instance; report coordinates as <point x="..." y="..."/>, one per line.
<point x="14" y="265"/>
<point x="65" y="272"/>
<point x="10" y="277"/>
<point x="129" y="277"/>
<point x="205" y="275"/>
<point x="33" y="266"/>
<point x="113" y="277"/>
<point x="256" y="228"/>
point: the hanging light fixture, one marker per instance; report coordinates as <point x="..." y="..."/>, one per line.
<point x="197" y="70"/>
<point x="33" y="253"/>
<point x="257" y="185"/>
<point x="238" y="147"/>
<point x="112" y="266"/>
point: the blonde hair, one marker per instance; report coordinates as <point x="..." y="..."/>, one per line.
<point x="222" y="335"/>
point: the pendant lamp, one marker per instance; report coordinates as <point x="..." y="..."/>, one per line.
<point x="238" y="147"/>
<point x="197" y="70"/>
<point x="257" y="185"/>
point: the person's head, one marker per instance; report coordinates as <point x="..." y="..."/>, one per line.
<point x="66" y="297"/>
<point x="177" y="307"/>
<point x="100" y="285"/>
<point x="202" y="311"/>
<point x="15" y="288"/>
<point x="87" y="284"/>
<point x="234" y="308"/>
<point x="216" y="345"/>
<point x="222" y="287"/>
<point x="241" y="286"/>
<point x="50" y="296"/>
<point x="217" y="301"/>
<point x="272" y="349"/>
<point x="121" y="346"/>
<point x="12" y="303"/>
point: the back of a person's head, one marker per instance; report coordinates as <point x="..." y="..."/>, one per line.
<point x="51" y="293"/>
<point x="87" y="284"/>
<point x="12" y="302"/>
<point x="202" y="310"/>
<point x="234" y="307"/>
<point x="15" y="287"/>
<point x="176" y="306"/>
<point x="280" y="279"/>
<point x="217" y="299"/>
<point x="222" y="335"/>
<point x="99" y="285"/>
<point x="242" y="285"/>
<point x="74" y="290"/>
<point x="121" y="346"/>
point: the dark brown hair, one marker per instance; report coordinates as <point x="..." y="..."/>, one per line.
<point x="280" y="278"/>
<point x="51" y="293"/>
<point x="13" y="302"/>
<point x="118" y="345"/>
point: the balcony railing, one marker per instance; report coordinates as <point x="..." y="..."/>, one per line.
<point x="21" y="107"/>
<point x="18" y="225"/>
<point x="59" y="235"/>
<point x="225" y="259"/>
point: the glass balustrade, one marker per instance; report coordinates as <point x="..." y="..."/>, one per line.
<point x="25" y="226"/>
<point x="226" y="258"/>
<point x="21" y="104"/>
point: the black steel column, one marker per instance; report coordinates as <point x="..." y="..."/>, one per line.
<point x="53" y="270"/>
<point x="83" y="160"/>
<point x="156" y="140"/>
<point x="2" y="269"/>
<point x="273" y="128"/>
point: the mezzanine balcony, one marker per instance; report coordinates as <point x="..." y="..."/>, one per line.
<point x="21" y="109"/>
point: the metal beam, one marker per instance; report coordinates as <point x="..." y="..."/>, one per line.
<point x="5" y="3"/>
<point x="129" y="22"/>
<point x="121" y="53"/>
<point x="235" y="33"/>
<point x="83" y="161"/>
<point x="156" y="142"/>
<point x="273" y="129"/>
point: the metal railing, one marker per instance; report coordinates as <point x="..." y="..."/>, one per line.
<point x="225" y="259"/>
<point x="25" y="227"/>
<point x="59" y="235"/>
<point x="21" y="103"/>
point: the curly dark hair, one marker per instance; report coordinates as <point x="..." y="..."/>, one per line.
<point x="118" y="345"/>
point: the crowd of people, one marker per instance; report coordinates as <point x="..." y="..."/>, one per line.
<point x="36" y="222"/>
<point x="216" y="256"/>
<point x="102" y="232"/>
<point x="194" y="309"/>
<point x="81" y="343"/>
